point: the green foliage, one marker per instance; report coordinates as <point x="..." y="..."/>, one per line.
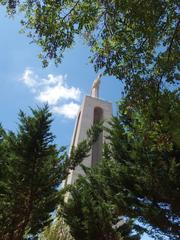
<point x="32" y="167"/>
<point x="132" y="40"/>
<point x="148" y="149"/>
<point x="58" y="230"/>
<point x="92" y="211"/>
<point x="83" y="148"/>
<point x="138" y="178"/>
<point x="3" y="169"/>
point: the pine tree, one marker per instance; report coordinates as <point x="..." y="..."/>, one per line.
<point x="34" y="169"/>
<point x="57" y="230"/>
<point x="148" y="154"/>
<point x="92" y="211"/>
<point x="137" y="182"/>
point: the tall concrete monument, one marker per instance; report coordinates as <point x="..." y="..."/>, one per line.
<point x="92" y="110"/>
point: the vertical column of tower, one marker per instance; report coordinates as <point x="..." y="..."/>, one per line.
<point x="92" y="111"/>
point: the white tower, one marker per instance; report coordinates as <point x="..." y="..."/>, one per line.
<point x="92" y="111"/>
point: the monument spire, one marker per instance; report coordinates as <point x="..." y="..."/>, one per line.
<point x="95" y="87"/>
<point x="93" y="110"/>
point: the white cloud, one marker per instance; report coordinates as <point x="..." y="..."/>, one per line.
<point x="53" y="90"/>
<point x="29" y="78"/>
<point x="53" y="94"/>
<point x="69" y="110"/>
<point x="51" y="79"/>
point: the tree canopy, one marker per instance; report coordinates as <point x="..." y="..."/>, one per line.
<point x="57" y="230"/>
<point x="137" y="181"/>
<point x="32" y="167"/>
<point x="131" y="40"/>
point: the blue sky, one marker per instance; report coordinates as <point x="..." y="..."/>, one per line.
<point x="24" y="83"/>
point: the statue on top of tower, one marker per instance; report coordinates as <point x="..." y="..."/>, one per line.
<point x="95" y="87"/>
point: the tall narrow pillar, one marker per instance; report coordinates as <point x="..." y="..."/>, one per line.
<point x="93" y="110"/>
